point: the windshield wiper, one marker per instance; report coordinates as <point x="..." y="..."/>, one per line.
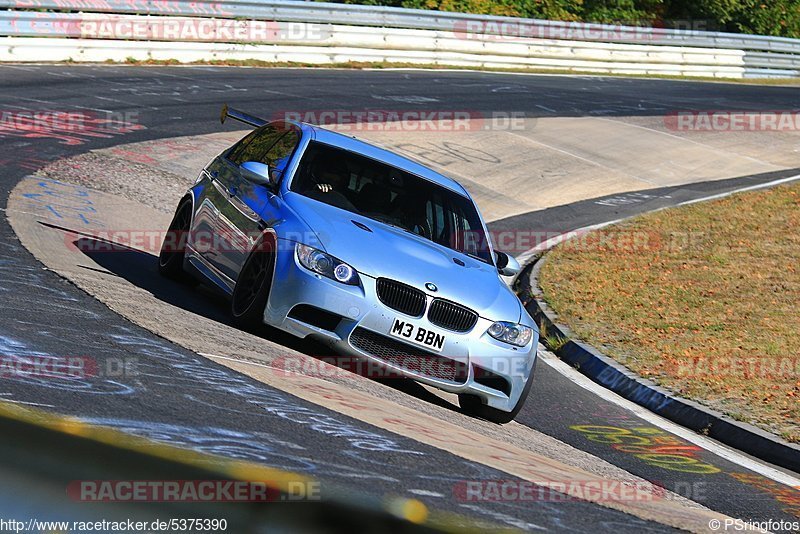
<point x="387" y="223"/>
<point x="474" y="257"/>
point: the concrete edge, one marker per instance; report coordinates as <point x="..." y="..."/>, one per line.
<point x="629" y="385"/>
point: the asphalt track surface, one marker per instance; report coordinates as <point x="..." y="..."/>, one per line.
<point x="185" y="399"/>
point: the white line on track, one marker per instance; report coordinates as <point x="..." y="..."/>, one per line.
<point x="687" y="140"/>
<point x="29" y="403"/>
<point x="231" y="359"/>
<point x="504" y="518"/>
<point x="425" y="493"/>
<point x="743" y="189"/>
<point x="708" y="444"/>
<point x="581" y="158"/>
<point x="575" y="376"/>
<point x="553" y="241"/>
<point x="50" y="102"/>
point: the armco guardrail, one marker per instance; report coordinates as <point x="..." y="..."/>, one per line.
<point x="388" y="17"/>
<point x="324" y="33"/>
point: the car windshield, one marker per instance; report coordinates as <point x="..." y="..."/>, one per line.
<point x="376" y="190"/>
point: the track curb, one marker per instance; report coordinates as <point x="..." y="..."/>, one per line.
<point x="629" y="385"/>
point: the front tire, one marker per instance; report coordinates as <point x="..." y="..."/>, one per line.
<point x="472" y="405"/>
<point x="251" y="292"/>
<point x="170" y="258"/>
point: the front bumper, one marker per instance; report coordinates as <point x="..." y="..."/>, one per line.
<point x="494" y="371"/>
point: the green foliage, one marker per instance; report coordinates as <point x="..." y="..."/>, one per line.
<point x="485" y="7"/>
<point x="569" y="10"/>
<point x="770" y="17"/>
<point x="633" y="12"/>
<point x="765" y="17"/>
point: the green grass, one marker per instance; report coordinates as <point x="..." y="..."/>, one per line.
<point x="707" y="286"/>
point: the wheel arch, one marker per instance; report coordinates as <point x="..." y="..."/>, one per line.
<point x="250" y="317"/>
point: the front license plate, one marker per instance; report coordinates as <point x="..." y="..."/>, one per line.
<point x="417" y="335"/>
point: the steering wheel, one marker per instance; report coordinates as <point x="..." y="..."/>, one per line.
<point x="422" y="229"/>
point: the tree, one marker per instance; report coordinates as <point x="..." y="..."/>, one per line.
<point x="766" y="17"/>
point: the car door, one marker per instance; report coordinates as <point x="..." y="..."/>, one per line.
<point x="209" y="223"/>
<point x="240" y="205"/>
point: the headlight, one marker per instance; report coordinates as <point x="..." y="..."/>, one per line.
<point x="514" y="334"/>
<point x="326" y="265"/>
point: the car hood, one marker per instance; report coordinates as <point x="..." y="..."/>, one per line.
<point x="386" y="251"/>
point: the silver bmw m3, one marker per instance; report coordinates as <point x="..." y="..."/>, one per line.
<point x="320" y="234"/>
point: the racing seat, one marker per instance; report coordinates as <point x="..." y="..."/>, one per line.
<point x="373" y="198"/>
<point x="412" y="215"/>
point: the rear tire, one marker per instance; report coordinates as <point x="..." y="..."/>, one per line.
<point x="251" y="292"/>
<point x="170" y="258"/>
<point x="472" y="405"/>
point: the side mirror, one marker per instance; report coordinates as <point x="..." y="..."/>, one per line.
<point x="259" y="173"/>
<point x="507" y="265"/>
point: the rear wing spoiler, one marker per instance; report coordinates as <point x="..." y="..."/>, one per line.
<point x="240" y="116"/>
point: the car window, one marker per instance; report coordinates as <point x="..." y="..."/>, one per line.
<point x="265" y="145"/>
<point x="390" y="195"/>
<point x="281" y="152"/>
<point x="436" y="214"/>
<point x="235" y="154"/>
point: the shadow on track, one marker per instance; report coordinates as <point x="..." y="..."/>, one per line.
<point x="140" y="268"/>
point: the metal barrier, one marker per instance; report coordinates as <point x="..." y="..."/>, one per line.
<point x="324" y="33"/>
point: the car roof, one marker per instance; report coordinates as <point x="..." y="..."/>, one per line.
<point x="375" y="152"/>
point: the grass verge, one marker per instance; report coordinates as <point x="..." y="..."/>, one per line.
<point x="703" y="299"/>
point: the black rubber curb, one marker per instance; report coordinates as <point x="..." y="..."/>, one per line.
<point x="624" y="382"/>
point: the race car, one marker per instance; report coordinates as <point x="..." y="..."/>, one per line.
<point x="320" y="234"/>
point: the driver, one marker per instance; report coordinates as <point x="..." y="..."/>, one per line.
<point x="329" y="180"/>
<point x="329" y="174"/>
